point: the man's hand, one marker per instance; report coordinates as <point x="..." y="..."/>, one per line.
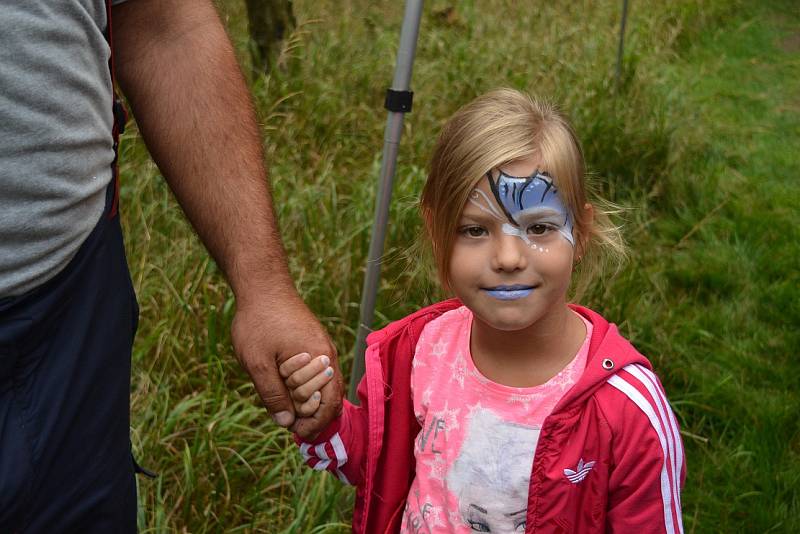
<point x="269" y="331"/>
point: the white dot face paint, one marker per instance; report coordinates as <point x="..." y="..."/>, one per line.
<point x="530" y="206"/>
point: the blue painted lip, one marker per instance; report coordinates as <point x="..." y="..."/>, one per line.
<point x="509" y="292"/>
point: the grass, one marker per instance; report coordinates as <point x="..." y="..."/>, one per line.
<point x="699" y="141"/>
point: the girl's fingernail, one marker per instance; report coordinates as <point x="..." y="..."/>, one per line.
<point x="316" y="395"/>
<point x="329" y="371"/>
<point x="325" y="360"/>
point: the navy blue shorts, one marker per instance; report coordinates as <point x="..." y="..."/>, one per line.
<point x="65" y="364"/>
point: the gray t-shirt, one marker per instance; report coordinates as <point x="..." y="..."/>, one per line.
<point x="55" y="134"/>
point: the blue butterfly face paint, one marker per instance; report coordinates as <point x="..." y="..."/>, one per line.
<point x="530" y="206"/>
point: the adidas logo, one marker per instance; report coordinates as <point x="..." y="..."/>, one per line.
<point x="580" y="473"/>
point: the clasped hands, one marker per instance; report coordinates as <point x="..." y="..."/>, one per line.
<point x="279" y="339"/>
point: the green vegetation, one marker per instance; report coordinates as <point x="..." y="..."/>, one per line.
<point x="700" y="142"/>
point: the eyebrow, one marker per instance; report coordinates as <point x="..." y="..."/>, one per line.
<point x="540" y="212"/>
<point x="478" y="508"/>
<point x="477" y="216"/>
<point x="516" y="513"/>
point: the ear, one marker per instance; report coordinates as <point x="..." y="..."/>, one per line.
<point x="583" y="239"/>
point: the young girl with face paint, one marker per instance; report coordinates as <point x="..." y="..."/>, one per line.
<point x="505" y="409"/>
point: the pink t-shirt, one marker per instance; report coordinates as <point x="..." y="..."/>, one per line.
<point x="475" y="451"/>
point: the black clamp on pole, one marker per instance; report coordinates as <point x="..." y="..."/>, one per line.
<point x="399" y="101"/>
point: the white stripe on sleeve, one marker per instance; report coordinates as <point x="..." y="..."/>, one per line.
<point x="651" y="383"/>
<point x="675" y="427"/>
<point x="322" y="465"/>
<point x="666" y="423"/>
<point x="304" y="448"/>
<point x="338" y="450"/>
<point x="666" y="491"/>
<point x="322" y="454"/>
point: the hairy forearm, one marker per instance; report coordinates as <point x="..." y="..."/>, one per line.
<point x="177" y="68"/>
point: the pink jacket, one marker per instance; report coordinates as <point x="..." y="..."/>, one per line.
<point x="609" y="458"/>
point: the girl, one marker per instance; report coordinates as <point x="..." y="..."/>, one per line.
<point x="505" y="409"/>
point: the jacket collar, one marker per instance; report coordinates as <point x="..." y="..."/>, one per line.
<point x="609" y="353"/>
<point x="606" y="345"/>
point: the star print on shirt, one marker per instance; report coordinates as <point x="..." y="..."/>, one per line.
<point x="459" y="369"/>
<point x="426" y="396"/>
<point x="438" y="467"/>
<point x="450" y="418"/>
<point x="439" y="348"/>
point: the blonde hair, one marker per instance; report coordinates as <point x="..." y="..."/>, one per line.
<point x="499" y="127"/>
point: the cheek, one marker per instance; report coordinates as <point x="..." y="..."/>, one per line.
<point x="553" y="258"/>
<point x="465" y="262"/>
<point x="456" y="274"/>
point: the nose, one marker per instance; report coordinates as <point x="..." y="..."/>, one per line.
<point x="509" y="253"/>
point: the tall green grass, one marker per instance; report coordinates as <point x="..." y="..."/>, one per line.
<point x="699" y="141"/>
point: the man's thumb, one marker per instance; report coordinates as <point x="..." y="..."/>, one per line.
<point x="274" y="394"/>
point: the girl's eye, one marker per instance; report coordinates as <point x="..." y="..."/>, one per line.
<point x="520" y="527"/>
<point x="477" y="526"/>
<point x="473" y="231"/>
<point x="539" y="229"/>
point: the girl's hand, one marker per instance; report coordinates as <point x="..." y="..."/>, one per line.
<point x="304" y="377"/>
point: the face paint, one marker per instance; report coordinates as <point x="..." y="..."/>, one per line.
<point x="485" y="204"/>
<point x="527" y="202"/>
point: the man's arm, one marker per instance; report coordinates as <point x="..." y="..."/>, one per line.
<point x="176" y="66"/>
